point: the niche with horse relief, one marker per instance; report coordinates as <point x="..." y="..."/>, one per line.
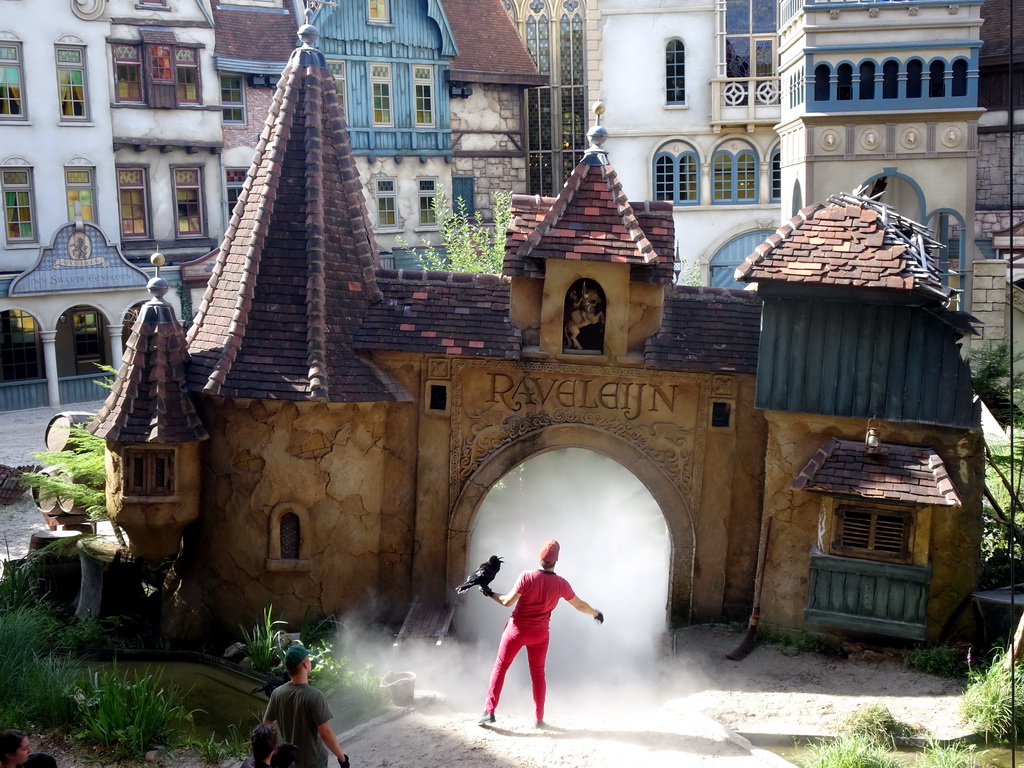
<point x="583" y="318"/>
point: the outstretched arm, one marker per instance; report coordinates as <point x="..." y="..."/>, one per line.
<point x="506" y="600"/>
<point x="584" y="607"/>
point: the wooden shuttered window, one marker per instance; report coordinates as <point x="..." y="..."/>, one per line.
<point x="874" y="533"/>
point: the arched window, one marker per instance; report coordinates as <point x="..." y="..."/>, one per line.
<point x="288" y="545"/>
<point x="822" y="86"/>
<point x="890" y="79"/>
<point x="867" y="80"/>
<point x="734" y="177"/>
<point x="290" y="536"/>
<point x="936" y="79"/>
<point x="844" y="82"/>
<point x="959" y="84"/>
<point x="20" y="356"/>
<point x="677" y="175"/>
<point x="723" y="264"/>
<point x="776" y="166"/>
<point x="798" y="199"/>
<point x="914" y="69"/>
<point x="675" y="72"/>
<point x="583" y="318"/>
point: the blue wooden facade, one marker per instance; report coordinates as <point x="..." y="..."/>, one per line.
<point x="384" y="59"/>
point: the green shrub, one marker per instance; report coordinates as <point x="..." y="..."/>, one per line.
<point x="356" y="696"/>
<point x="128" y="714"/>
<point x="17" y="587"/>
<point x="850" y="751"/>
<point x="988" y="703"/>
<point x="793" y="642"/>
<point x="263" y="644"/>
<point x="950" y="756"/>
<point x="940" y="660"/>
<point x="213" y="750"/>
<point x="876" y="723"/>
<point x="38" y="683"/>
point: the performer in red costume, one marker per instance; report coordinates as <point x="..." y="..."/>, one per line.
<point x="535" y="595"/>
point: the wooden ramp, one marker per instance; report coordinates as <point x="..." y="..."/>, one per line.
<point x="426" y="622"/>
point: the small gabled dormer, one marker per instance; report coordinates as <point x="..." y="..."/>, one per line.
<point x="588" y="267"/>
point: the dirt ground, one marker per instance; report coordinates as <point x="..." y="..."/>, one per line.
<point x="703" y="706"/>
<point x="695" y="712"/>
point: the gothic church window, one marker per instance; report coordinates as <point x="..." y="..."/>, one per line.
<point x="556" y="114"/>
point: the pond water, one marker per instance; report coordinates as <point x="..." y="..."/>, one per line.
<point x="219" y="697"/>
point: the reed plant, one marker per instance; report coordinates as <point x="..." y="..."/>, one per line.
<point x="263" y="642"/>
<point x="949" y="756"/>
<point x="129" y="713"/>
<point x="214" y="751"/>
<point x="356" y="695"/>
<point x="17" y="587"/>
<point x="849" y="751"/>
<point x="989" y="705"/>
<point x="38" y="681"/>
<point x="876" y="722"/>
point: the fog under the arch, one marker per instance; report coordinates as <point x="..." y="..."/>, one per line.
<point x="615" y="553"/>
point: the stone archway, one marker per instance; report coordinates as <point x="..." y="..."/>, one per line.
<point x="673" y="504"/>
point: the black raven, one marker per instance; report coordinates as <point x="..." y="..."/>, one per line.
<point x="271" y="685"/>
<point x="482" y="576"/>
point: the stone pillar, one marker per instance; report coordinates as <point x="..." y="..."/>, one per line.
<point x="50" y="361"/>
<point x="116" y="348"/>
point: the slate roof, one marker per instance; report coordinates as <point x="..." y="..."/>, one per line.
<point x="240" y="27"/>
<point x="149" y="402"/>
<point x="851" y="241"/>
<point x="447" y="313"/>
<point x="490" y="49"/>
<point x="707" y="329"/>
<point x="896" y="473"/>
<point x="591" y="219"/>
<point x="294" y="275"/>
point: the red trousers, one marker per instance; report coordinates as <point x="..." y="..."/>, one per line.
<point x="512" y="640"/>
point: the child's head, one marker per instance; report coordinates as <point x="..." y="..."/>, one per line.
<point x="264" y="741"/>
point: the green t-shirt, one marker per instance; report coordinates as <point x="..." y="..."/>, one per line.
<point x="298" y="708"/>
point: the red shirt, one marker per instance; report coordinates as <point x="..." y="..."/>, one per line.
<point x="539" y="593"/>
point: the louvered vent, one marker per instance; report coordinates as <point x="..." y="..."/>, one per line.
<point x="866" y="531"/>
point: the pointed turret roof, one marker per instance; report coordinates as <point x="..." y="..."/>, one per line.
<point x="149" y="401"/>
<point x="851" y="241"/>
<point x="294" y="275"/>
<point x="591" y="219"/>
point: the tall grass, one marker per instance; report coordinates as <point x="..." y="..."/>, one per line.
<point x="127" y="714"/>
<point x="876" y="723"/>
<point x="950" y="756"/>
<point x="263" y="643"/>
<point x="38" y="684"/>
<point x="850" y="751"/>
<point x="987" y="704"/>
<point x="941" y="660"/>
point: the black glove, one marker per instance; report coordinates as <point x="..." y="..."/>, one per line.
<point x="488" y="592"/>
<point x="599" y="618"/>
<point x="343" y="763"/>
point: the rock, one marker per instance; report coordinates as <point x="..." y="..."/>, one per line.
<point x="235" y="652"/>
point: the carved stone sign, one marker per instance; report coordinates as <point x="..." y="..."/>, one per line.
<point x="80" y="259"/>
<point x="662" y="415"/>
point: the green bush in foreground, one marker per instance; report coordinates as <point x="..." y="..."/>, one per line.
<point x="39" y="683"/>
<point x="876" y="723"/>
<point x="950" y="756"/>
<point x="850" y="751"/>
<point x="128" y="714"/>
<point x="987" y="704"/>
<point x="356" y="696"/>
<point x="940" y="660"/>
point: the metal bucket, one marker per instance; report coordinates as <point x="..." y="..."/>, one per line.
<point x="402" y="686"/>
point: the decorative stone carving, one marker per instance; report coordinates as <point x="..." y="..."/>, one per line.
<point x="870" y="139"/>
<point x="951" y="136"/>
<point x="829" y="139"/>
<point x="662" y="415"/>
<point x="873" y="13"/>
<point x="584" y="307"/>
<point x="439" y="368"/>
<point x="911" y="138"/>
<point x="88" y="9"/>
<point x="954" y="10"/>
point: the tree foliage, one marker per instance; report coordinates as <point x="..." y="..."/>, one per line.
<point x="470" y="245"/>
